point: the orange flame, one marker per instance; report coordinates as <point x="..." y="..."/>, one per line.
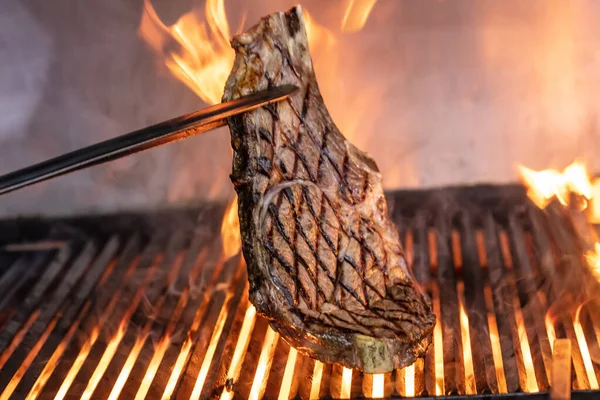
<point x="315" y="385"/>
<point x="288" y="375"/>
<point x="155" y="361"/>
<point x="240" y="349"/>
<point x="409" y="381"/>
<point x="107" y="357"/>
<point x="545" y="185"/>
<point x="230" y="231"/>
<point x="204" y="57"/>
<point x="346" y="385"/>
<point x="466" y="342"/>
<point x="438" y="341"/>
<point x="348" y="109"/>
<point x="357" y="14"/>
<point x="198" y="53"/>
<point x="585" y="353"/>
<point x="264" y="365"/>
<point x="377" y="392"/>
<point x="594" y="214"/>
<point x="551" y="332"/>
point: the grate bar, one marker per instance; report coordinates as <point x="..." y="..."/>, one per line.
<point x="532" y="311"/>
<point x="422" y="270"/>
<point x="453" y="362"/>
<point x="512" y="356"/>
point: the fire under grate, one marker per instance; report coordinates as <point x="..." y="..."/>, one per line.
<point x="145" y="306"/>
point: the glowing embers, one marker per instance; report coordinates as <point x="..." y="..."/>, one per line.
<point x="340" y="382"/>
<point x="585" y="354"/>
<point x="346" y="383"/>
<point x="184" y="354"/>
<point x="264" y="365"/>
<point x="495" y="340"/>
<point x="438" y="341"/>
<point x="240" y="350"/>
<point x="317" y="376"/>
<point x="378" y="386"/>
<point x="521" y="334"/>
<point x="8" y="390"/>
<point x="210" y="352"/>
<point x="288" y="374"/>
<point x="466" y="343"/>
<point x="405" y="381"/>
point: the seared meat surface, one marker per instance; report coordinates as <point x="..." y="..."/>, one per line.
<point x="325" y="263"/>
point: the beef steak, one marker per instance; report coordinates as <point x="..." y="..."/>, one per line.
<point x="325" y="263"/>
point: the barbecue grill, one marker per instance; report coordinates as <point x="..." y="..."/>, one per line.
<point x="146" y="306"/>
<point x="155" y="304"/>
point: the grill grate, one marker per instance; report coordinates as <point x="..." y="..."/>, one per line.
<point x="92" y="308"/>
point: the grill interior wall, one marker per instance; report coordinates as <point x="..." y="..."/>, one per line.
<point x="158" y="313"/>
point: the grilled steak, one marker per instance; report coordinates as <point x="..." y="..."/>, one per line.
<point x="325" y="263"/>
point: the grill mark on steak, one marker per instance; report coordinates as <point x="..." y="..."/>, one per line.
<point x="300" y="157"/>
<point x="324" y="261"/>
<point x="346" y="259"/>
<point x="305" y="103"/>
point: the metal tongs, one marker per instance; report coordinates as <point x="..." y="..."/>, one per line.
<point x="147" y="138"/>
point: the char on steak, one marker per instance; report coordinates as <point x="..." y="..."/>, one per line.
<point x="325" y="263"/>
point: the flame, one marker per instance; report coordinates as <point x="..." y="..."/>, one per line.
<point x="315" y="386"/>
<point x="264" y="365"/>
<point x="286" y="382"/>
<point x="204" y="57"/>
<point x="155" y="361"/>
<point x="349" y="105"/>
<point x="178" y="368"/>
<point x="74" y="370"/>
<point x="43" y="377"/>
<point x="466" y="342"/>
<point x="240" y="349"/>
<point x="585" y="353"/>
<point x="594" y="214"/>
<point x="377" y="392"/>
<point x="212" y="347"/>
<point x="198" y="53"/>
<point x="144" y="333"/>
<point x="18" y="337"/>
<point x="33" y="353"/>
<point x="357" y="14"/>
<point x="107" y="357"/>
<point x="548" y="184"/>
<point x="346" y="385"/>
<point x="438" y="342"/>
<point x="230" y="231"/>
<point x="182" y="358"/>
<point x="495" y="339"/>
<point x="549" y="321"/>
<point x="409" y="381"/>
<point x="128" y="366"/>
<point x="531" y="385"/>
